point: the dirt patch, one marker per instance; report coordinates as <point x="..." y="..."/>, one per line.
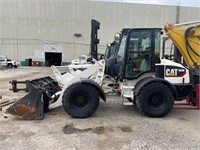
<point x="183" y="119"/>
<point x="3" y="137"/>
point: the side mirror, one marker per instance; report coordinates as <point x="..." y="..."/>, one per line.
<point x="117" y="37"/>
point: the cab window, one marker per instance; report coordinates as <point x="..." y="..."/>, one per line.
<point x="139" y="53"/>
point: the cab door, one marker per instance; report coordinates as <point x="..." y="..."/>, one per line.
<point x="141" y="45"/>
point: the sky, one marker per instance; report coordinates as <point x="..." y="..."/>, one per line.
<point x="190" y="3"/>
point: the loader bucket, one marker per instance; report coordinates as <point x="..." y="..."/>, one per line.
<point x="30" y="107"/>
<point x="33" y="105"/>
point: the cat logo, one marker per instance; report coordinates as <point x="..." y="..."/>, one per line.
<point x="172" y="71"/>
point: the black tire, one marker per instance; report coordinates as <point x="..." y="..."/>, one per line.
<point x="10" y="65"/>
<point x="155" y="100"/>
<point x="80" y="100"/>
<point x="15" y="66"/>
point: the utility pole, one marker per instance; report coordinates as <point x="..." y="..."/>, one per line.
<point x="17" y="32"/>
<point x="178" y="7"/>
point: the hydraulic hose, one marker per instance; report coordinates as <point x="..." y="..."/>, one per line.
<point x="188" y="46"/>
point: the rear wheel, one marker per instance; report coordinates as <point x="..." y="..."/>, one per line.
<point x="80" y="100"/>
<point x="155" y="100"/>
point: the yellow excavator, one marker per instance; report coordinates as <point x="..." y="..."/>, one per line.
<point x="186" y="38"/>
<point x="151" y="83"/>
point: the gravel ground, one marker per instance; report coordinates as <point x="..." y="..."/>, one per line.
<point x="113" y="126"/>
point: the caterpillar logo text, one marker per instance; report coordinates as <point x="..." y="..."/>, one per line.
<point x="172" y="71"/>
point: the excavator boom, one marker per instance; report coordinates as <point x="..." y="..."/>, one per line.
<point x="186" y="37"/>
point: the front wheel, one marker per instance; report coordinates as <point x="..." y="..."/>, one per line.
<point x="155" y="100"/>
<point x="10" y="65"/>
<point x="80" y="100"/>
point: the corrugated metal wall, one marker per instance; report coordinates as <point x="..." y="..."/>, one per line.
<point x="29" y="25"/>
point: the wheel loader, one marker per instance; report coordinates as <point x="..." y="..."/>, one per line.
<point x="151" y="83"/>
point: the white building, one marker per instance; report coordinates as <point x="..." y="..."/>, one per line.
<point x="45" y="29"/>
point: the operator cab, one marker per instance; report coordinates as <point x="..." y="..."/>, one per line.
<point x="138" y="52"/>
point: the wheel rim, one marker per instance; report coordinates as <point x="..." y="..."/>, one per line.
<point x="156" y="100"/>
<point x="80" y="100"/>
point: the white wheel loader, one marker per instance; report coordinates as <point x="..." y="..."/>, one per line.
<point x="151" y="83"/>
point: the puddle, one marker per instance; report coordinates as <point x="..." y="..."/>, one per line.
<point x="70" y="129"/>
<point x="125" y="129"/>
<point x="102" y="130"/>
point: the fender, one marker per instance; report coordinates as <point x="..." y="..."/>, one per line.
<point x="96" y="85"/>
<point x="140" y="84"/>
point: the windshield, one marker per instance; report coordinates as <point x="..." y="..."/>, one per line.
<point x="121" y="50"/>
